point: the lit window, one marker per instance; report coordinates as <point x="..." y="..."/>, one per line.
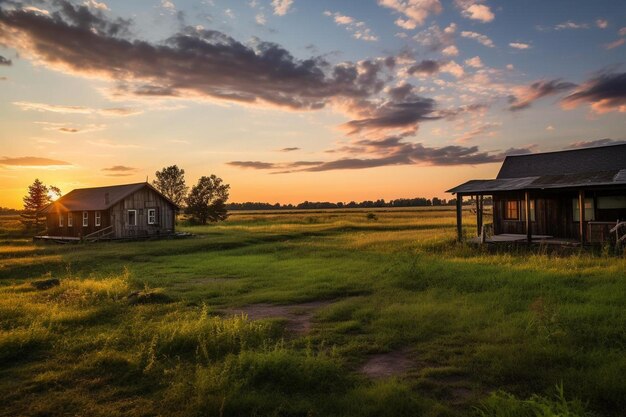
<point x="70" y="220"/>
<point x="589" y="211"/>
<point x="511" y="210"/>
<point x="98" y="218"/>
<point x="132" y="217"/>
<point x="60" y="220"/>
<point x="151" y="216"/>
<point x="85" y="218"/>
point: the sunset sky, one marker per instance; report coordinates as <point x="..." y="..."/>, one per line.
<point x="293" y="100"/>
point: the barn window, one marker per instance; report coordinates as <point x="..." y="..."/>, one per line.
<point x="511" y="210"/>
<point x="85" y="218"/>
<point x="98" y="218"/>
<point x="70" y="220"/>
<point x="589" y="211"/>
<point x="132" y="217"/>
<point x="151" y="216"/>
<point x="60" y="220"/>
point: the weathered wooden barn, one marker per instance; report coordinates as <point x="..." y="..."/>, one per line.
<point x="539" y="196"/>
<point x="114" y="212"/>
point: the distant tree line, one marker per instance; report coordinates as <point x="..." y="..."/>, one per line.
<point x="400" y="202"/>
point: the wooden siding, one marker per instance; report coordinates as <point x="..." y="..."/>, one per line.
<point x="142" y="200"/>
<point x="77" y="229"/>
<point x="554" y="213"/>
<point x="117" y="216"/>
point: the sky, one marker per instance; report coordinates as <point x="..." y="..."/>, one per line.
<point x="293" y="100"/>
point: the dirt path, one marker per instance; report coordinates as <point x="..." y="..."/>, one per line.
<point x="298" y="316"/>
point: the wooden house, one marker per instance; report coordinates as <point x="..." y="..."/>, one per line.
<point x="539" y="196"/>
<point x="114" y="212"/>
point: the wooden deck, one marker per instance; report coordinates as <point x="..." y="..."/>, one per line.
<point x="521" y="238"/>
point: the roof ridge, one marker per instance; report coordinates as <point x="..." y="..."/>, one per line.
<point x="569" y="150"/>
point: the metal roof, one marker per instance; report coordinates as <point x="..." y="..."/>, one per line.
<point x="98" y="198"/>
<point x="573" y="161"/>
<point x="600" y="178"/>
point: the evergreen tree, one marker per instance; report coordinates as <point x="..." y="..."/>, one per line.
<point x="37" y="198"/>
<point x="207" y="200"/>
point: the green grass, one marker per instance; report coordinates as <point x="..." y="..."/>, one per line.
<point x="489" y="333"/>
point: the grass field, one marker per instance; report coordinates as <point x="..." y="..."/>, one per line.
<point x="459" y="331"/>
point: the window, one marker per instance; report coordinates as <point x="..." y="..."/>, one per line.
<point x="70" y="220"/>
<point x="85" y="218"/>
<point x="60" y="220"/>
<point x="98" y="218"/>
<point x="511" y="210"/>
<point x="151" y="216"/>
<point x="612" y="202"/>
<point x="589" y="211"/>
<point x="132" y="217"/>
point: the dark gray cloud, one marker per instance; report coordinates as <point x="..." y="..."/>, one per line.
<point x="526" y="96"/>
<point x="388" y="152"/>
<point x="606" y="92"/>
<point x="427" y="67"/>
<point x="593" y="143"/>
<point x="31" y="161"/>
<point x="290" y="149"/>
<point x="5" y="61"/>
<point x="204" y="63"/>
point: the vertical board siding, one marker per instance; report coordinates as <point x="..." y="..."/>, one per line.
<point x="116" y="216"/>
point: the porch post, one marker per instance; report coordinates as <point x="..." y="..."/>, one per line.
<point x="479" y="214"/>
<point x="581" y="215"/>
<point x="459" y="216"/>
<point x="529" y="231"/>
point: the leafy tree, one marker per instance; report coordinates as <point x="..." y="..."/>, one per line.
<point x="38" y="197"/>
<point x="171" y="182"/>
<point x="207" y="200"/>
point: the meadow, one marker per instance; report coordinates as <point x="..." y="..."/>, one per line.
<point x="311" y="313"/>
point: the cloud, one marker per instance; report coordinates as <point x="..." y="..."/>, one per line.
<point x="194" y="63"/>
<point x="483" y="39"/>
<point x="401" y="113"/>
<point x="525" y="96"/>
<point x="594" y="143"/>
<point x="389" y="152"/>
<point x="602" y="23"/>
<point x="168" y="5"/>
<point x="281" y="7"/>
<point x="472" y="9"/>
<point x="453" y="68"/>
<point x="96" y="5"/>
<point x="604" y="93"/>
<point x="571" y="25"/>
<point x="291" y="149"/>
<point x="615" y="44"/>
<point x="5" y="61"/>
<point x="622" y="31"/>
<point x="119" y="168"/>
<point x="358" y="29"/>
<point x="414" y="12"/>
<point x="65" y="128"/>
<point x="426" y="67"/>
<point x="484" y="129"/>
<point x="451" y="50"/>
<point x="56" y="108"/>
<point x="260" y="19"/>
<point x="474" y="62"/>
<point x="519" y="45"/>
<point x="435" y="39"/>
<point x="31" y="161"/>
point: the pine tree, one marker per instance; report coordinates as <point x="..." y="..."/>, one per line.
<point x="36" y="199"/>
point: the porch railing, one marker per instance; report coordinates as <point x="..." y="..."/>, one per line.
<point x="99" y="234"/>
<point x="620" y="233"/>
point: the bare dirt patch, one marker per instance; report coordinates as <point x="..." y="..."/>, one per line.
<point x="298" y="316"/>
<point x="384" y="365"/>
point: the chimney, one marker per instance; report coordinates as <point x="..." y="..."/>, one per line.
<point x="106" y="199"/>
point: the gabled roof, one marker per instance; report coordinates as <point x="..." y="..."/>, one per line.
<point x="100" y="198"/>
<point x="600" y="166"/>
<point x="573" y="161"/>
